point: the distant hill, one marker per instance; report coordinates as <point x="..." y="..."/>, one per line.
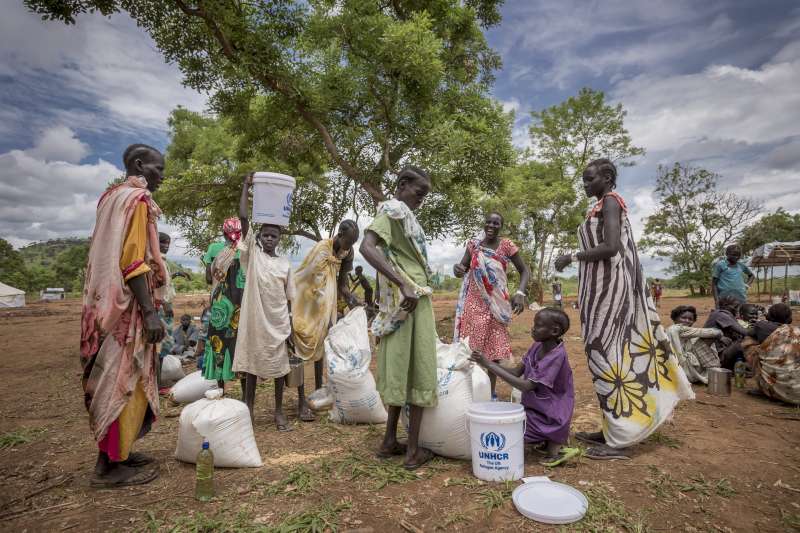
<point x="44" y="253"/>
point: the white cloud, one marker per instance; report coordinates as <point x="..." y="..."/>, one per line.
<point x="59" y="143"/>
<point x="103" y="73"/>
<point x="743" y="124"/>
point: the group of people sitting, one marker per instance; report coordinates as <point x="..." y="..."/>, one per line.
<point x="739" y="331"/>
<point x="733" y="332"/>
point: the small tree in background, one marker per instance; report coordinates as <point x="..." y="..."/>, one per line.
<point x="693" y="224"/>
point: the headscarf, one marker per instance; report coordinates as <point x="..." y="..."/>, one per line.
<point x="232" y="229"/>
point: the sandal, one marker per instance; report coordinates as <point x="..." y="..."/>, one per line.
<point x="397" y="449"/>
<point x="136" y="459"/>
<point x="605" y="453"/>
<point x="591" y="437"/>
<point x="127" y="477"/>
<point x="426" y="455"/>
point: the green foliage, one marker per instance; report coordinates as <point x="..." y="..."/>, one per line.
<point x="344" y="93"/>
<point x="580" y="129"/>
<point x="693" y="224"/>
<point x="778" y="226"/>
<point x="55" y="263"/>
<point x="12" y="266"/>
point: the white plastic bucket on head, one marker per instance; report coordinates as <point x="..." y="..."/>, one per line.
<point x="497" y="431"/>
<point x="272" y="198"/>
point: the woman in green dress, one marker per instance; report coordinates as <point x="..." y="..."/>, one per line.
<point x="225" y="274"/>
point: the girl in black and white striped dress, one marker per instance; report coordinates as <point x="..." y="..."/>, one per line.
<point x="636" y="376"/>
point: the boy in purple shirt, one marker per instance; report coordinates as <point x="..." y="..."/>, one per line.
<point x="545" y="379"/>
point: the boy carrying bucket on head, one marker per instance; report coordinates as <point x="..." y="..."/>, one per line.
<point x="395" y="245"/>
<point x="265" y="322"/>
<point x="545" y="379"/>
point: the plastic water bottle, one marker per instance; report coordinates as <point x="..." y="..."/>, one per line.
<point x="204" y="484"/>
<point x="739" y="370"/>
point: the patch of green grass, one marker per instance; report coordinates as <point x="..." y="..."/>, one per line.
<point x="723" y="487"/>
<point x="20" y="436"/>
<point x="492" y="498"/>
<point x="300" y="480"/>
<point x="200" y="523"/>
<point x="607" y="513"/>
<point x="698" y="484"/>
<point x="324" y="518"/>
<point x="790" y="520"/>
<point x="452" y="519"/>
<point x="665" y="440"/>
<point x="469" y="482"/>
<point x="660" y="483"/>
<point x="381" y="473"/>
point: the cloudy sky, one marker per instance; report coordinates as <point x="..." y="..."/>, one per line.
<point x="710" y="83"/>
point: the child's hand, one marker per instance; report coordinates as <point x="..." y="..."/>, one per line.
<point x="478" y="357"/>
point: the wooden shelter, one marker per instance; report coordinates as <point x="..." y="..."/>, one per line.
<point x="768" y="256"/>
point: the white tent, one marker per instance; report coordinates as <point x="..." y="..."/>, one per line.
<point x="11" y="297"/>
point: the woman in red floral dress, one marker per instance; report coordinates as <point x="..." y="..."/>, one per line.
<point x="484" y="306"/>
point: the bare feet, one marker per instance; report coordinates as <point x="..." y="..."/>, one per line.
<point x="418" y="459"/>
<point x="305" y="413"/>
<point x="389" y="449"/>
<point x="281" y="422"/>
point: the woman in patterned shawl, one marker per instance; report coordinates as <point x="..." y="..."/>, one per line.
<point x="227" y="280"/>
<point x="484" y="307"/>
<point x="636" y="376"/>
<point x="120" y="326"/>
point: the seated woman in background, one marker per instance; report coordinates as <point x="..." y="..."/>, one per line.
<point x="724" y="319"/>
<point x="776" y="359"/>
<point x="693" y="346"/>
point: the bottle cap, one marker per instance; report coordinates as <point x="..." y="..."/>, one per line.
<point x="205" y="444"/>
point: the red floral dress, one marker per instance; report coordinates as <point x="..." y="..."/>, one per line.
<point x="485" y="333"/>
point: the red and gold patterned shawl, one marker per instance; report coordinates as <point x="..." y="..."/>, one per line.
<point x="114" y="353"/>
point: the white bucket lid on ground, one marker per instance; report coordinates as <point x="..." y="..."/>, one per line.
<point x="550" y="502"/>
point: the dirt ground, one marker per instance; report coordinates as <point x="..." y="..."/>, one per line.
<point x="723" y="464"/>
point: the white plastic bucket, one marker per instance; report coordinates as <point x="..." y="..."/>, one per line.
<point x="497" y="431"/>
<point x="272" y="198"/>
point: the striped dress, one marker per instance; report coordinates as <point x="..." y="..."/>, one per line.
<point x="636" y="376"/>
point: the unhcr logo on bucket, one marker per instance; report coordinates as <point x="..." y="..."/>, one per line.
<point x="287" y="207"/>
<point x="493" y="441"/>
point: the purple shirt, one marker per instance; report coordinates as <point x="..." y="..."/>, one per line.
<point x="549" y="405"/>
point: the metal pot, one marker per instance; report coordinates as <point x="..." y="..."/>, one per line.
<point x="719" y="381"/>
<point x="296" y="375"/>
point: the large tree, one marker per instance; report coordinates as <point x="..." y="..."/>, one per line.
<point x="778" y="226"/>
<point x="372" y="84"/>
<point x="12" y="266"/>
<point x="693" y="223"/>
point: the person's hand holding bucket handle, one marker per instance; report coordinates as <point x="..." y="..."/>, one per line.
<point x="248" y="179"/>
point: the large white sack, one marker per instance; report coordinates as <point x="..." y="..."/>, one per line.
<point x="481" y="386"/>
<point x="347" y="350"/>
<point x="444" y="427"/>
<point x="191" y="388"/>
<point x="171" y="370"/>
<point x="225" y="424"/>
